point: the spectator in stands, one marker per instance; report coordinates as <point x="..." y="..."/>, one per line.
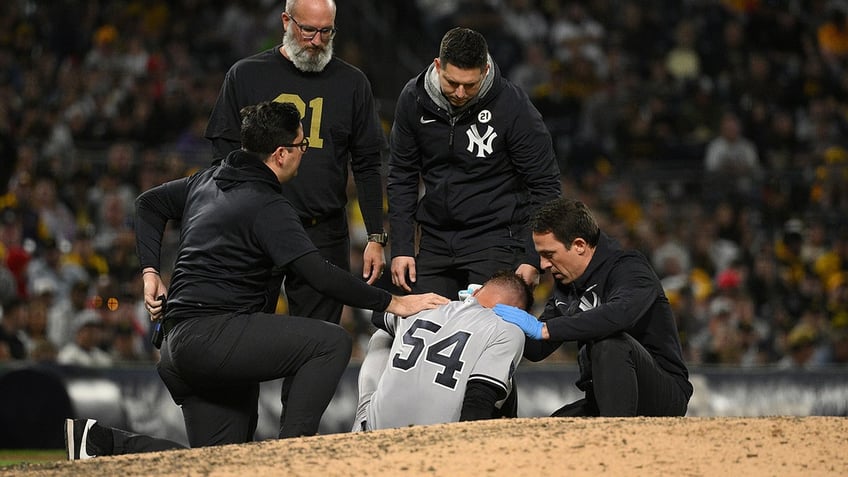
<point x="35" y="331"/>
<point x="838" y="352"/>
<point x="83" y="255"/>
<point x="670" y="259"/>
<point x="84" y="351"/>
<point x="534" y="70"/>
<point x="574" y="33"/>
<point x="718" y="342"/>
<point x="782" y="144"/>
<point x="126" y="345"/>
<point x="801" y="343"/>
<point x="54" y="217"/>
<point x="525" y="22"/>
<point x="756" y="335"/>
<point x="731" y="162"/>
<point x="832" y="37"/>
<point x="46" y="266"/>
<point x="115" y="177"/>
<point x="8" y="285"/>
<point x="114" y="219"/>
<point x="104" y="55"/>
<point x="13" y="322"/>
<point x="637" y="32"/>
<point x="43" y="351"/>
<point x="63" y="314"/>
<point x="682" y="61"/>
<point x="15" y="255"/>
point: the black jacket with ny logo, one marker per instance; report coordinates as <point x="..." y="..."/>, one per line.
<point x="618" y="292"/>
<point x="485" y="169"/>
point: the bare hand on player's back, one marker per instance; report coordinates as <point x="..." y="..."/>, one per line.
<point x="412" y="304"/>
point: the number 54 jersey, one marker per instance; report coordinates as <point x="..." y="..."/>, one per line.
<point x="434" y="355"/>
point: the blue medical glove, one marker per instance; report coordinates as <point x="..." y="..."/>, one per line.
<point x="527" y="322"/>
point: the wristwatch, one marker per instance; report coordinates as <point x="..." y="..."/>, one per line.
<point x="381" y="238"/>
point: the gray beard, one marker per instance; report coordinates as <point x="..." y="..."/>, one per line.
<point x="303" y="59"/>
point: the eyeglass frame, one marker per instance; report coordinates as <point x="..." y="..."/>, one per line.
<point x="331" y="31"/>
<point x="303" y="145"/>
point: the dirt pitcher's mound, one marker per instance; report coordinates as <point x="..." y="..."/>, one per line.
<point x="770" y="446"/>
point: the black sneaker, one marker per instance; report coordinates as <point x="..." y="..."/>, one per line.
<point x="77" y="441"/>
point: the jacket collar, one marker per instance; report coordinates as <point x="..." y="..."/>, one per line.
<point x="605" y="249"/>
<point x="241" y="166"/>
<point x="430" y="80"/>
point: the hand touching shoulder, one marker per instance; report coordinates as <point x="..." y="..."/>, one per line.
<point x="411" y="304"/>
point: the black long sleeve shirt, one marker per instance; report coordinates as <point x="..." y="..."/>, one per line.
<point x="238" y="237"/>
<point x="339" y="119"/>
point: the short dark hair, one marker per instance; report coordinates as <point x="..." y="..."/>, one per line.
<point x="266" y="125"/>
<point x="514" y="283"/>
<point x="464" y="48"/>
<point x="567" y="219"/>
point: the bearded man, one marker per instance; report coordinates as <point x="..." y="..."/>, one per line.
<point x="342" y="127"/>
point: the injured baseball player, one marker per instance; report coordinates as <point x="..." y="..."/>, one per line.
<point x="451" y="363"/>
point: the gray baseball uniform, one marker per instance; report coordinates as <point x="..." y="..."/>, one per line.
<point x="433" y="356"/>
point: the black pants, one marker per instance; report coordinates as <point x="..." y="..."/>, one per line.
<point x="124" y="442"/>
<point x="623" y="379"/>
<point x="212" y="366"/>
<point x="330" y="236"/>
<point x="446" y="275"/>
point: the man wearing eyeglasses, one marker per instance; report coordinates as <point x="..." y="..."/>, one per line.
<point x="238" y="239"/>
<point x="342" y="129"/>
<point x="486" y="160"/>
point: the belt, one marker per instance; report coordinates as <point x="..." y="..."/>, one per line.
<point x="169" y="324"/>
<point x="311" y="221"/>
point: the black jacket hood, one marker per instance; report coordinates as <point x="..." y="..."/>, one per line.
<point x="241" y="166"/>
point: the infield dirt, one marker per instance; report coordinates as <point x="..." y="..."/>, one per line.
<point x="766" y="446"/>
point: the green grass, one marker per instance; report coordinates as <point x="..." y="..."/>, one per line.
<point x="31" y="456"/>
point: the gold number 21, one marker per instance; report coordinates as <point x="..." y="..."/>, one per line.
<point x="317" y="106"/>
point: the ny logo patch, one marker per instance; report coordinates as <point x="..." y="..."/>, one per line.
<point x="483" y="143"/>
<point x="587" y="301"/>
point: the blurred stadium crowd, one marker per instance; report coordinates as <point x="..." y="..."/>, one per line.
<point x="709" y="134"/>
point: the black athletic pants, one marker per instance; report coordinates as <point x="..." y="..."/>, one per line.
<point x="447" y="274"/>
<point x="330" y="235"/>
<point x="212" y="367"/>
<point x="623" y="379"/>
<point x="124" y="442"/>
